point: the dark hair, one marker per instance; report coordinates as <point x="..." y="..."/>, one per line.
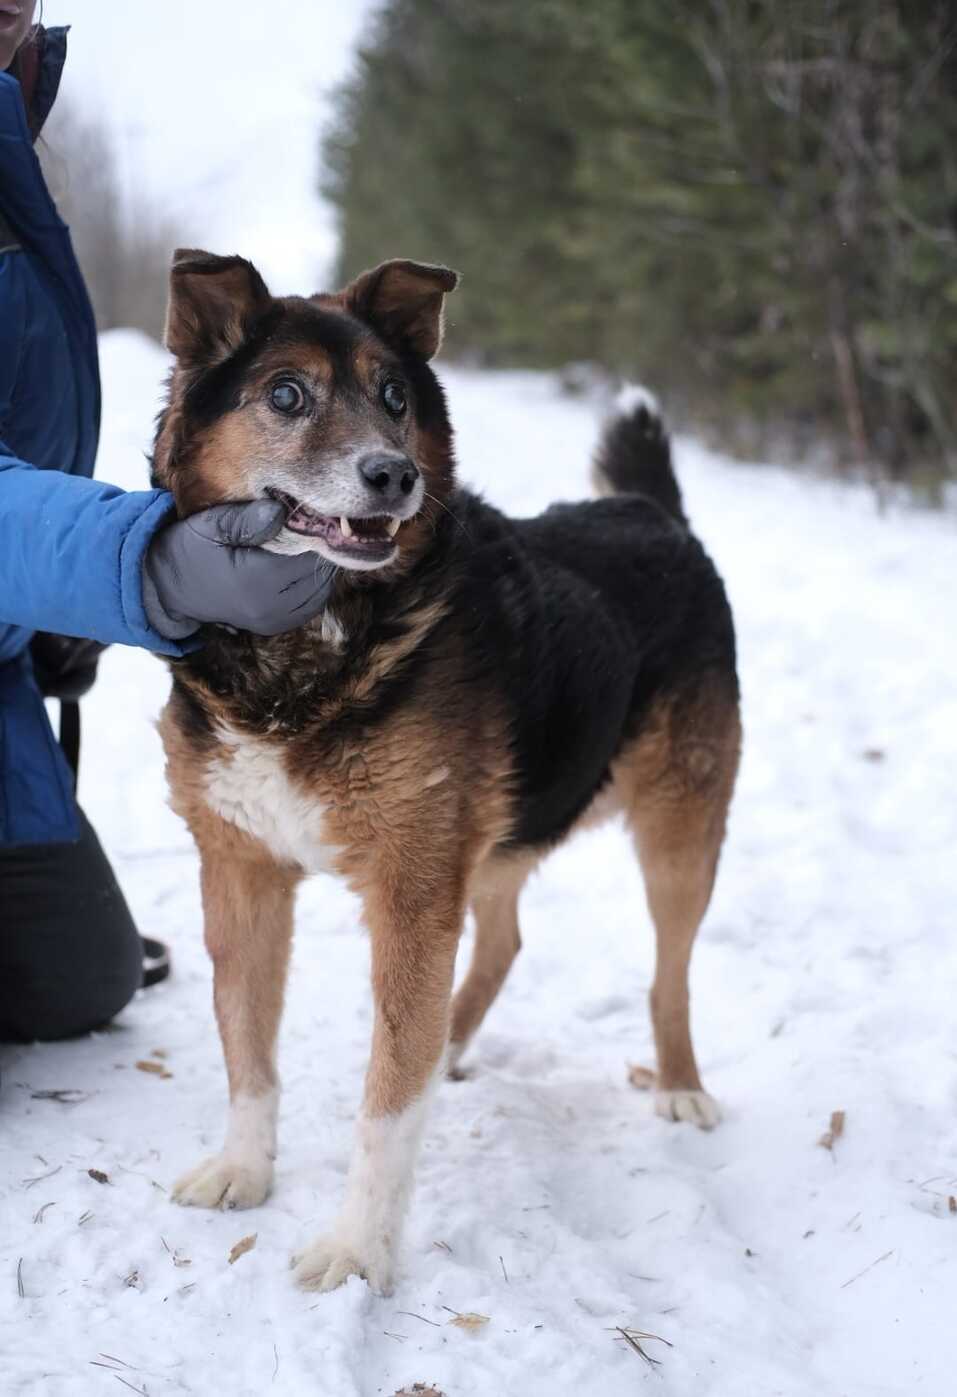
<point x="29" y="38"/>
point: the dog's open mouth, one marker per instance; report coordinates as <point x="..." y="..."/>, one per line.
<point x="371" y="538"/>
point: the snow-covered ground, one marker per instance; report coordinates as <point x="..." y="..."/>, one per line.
<point x="549" y="1197"/>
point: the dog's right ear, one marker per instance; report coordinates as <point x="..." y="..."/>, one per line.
<point x="213" y="304"/>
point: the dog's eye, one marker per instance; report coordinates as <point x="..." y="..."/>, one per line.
<point x="393" y="395"/>
<point x="287" y="397"/>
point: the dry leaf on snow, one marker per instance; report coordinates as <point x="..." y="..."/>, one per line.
<point x="641" y="1077"/>
<point x="471" y="1322"/>
<point x="835" y="1131"/>
<point x="242" y="1247"/>
<point x="157" y="1068"/>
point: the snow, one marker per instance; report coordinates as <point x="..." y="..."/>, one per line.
<point x="549" y="1196"/>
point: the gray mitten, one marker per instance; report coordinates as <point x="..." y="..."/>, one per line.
<point x="211" y="567"/>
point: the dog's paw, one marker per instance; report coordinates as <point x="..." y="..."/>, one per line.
<point x="222" y="1182"/>
<point x="329" y="1261"/>
<point x="697" y="1107"/>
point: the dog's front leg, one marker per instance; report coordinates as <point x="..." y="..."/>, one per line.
<point x="247" y="904"/>
<point x="413" y="958"/>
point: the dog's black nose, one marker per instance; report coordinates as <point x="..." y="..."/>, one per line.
<point x="390" y="475"/>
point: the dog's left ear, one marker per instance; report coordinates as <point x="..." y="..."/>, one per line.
<point x="403" y="301"/>
<point x="213" y="304"/>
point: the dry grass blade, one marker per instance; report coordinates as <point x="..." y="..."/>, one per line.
<point x="20" y="1290"/>
<point x="38" y="1178"/>
<point x="244" y="1245"/>
<point x="132" y="1386"/>
<point x="67" y="1096"/>
<point x="408" y="1314"/>
<point x="834" y="1131"/>
<point x="38" y="1215"/>
<point x="633" y="1337"/>
<point x="844" y="1284"/>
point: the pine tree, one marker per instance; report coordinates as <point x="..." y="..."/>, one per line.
<point x="752" y="206"/>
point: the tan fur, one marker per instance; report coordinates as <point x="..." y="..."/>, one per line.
<point x="673" y="785"/>
<point x="247" y="909"/>
<point x="676" y="785"/>
<point x="494" y="893"/>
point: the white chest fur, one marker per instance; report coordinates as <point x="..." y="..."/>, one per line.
<point x="249" y="787"/>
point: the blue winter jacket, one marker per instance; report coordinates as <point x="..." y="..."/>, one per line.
<point x="71" y="549"/>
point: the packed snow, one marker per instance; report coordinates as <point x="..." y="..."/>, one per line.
<point x="550" y="1199"/>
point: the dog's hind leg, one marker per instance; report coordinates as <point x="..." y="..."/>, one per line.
<point x="248" y="904"/>
<point x="495" y="893"/>
<point x="678" y="818"/>
<point x="415" y="929"/>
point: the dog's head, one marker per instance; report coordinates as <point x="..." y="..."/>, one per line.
<point x="326" y="403"/>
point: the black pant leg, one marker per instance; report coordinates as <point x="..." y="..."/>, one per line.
<point x="70" y="955"/>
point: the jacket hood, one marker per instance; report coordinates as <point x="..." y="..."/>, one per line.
<point x="38" y="68"/>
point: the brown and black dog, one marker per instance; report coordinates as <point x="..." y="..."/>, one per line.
<point x="476" y="689"/>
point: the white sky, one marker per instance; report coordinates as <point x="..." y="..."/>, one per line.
<point x="217" y="106"/>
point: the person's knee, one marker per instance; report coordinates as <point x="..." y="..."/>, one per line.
<point x="55" y="1002"/>
<point x="73" y="958"/>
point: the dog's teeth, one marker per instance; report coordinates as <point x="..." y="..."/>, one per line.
<point x="345" y="527"/>
<point x="392" y="528"/>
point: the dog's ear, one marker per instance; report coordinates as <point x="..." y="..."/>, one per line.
<point x="403" y="301"/>
<point x="213" y="304"/>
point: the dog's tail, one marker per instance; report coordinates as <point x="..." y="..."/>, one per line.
<point x="634" y="453"/>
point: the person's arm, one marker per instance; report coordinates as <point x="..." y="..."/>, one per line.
<point x="81" y="558"/>
<point x="71" y="555"/>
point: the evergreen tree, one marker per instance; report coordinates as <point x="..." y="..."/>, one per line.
<point x="751" y="206"/>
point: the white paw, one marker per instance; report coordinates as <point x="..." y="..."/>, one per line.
<point x="222" y="1182"/>
<point x="329" y="1261"/>
<point x="695" y="1106"/>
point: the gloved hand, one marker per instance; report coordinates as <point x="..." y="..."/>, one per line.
<point x="211" y="567"/>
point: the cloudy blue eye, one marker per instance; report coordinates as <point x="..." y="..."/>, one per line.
<point x="393" y="395"/>
<point x="287" y="397"/>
